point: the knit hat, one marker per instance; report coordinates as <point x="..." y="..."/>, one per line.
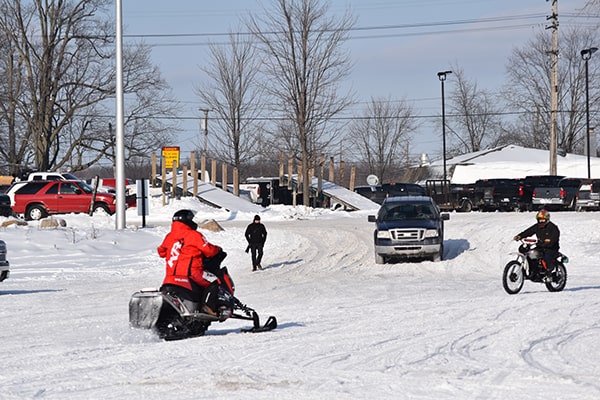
<point x="257" y="217"/>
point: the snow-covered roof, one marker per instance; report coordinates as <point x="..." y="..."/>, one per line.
<point x="513" y="161"/>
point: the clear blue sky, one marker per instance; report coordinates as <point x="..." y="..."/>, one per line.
<point x="407" y="42"/>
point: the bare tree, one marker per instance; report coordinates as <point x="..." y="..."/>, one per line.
<point x="474" y="115"/>
<point x="233" y="95"/>
<point x="382" y="135"/>
<point x="65" y="97"/>
<point x="305" y="63"/>
<point x="528" y="90"/>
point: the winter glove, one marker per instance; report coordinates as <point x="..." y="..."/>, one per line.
<point x="248" y="248"/>
<point x="517" y="237"/>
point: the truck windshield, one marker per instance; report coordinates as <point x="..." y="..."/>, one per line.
<point x="398" y="212"/>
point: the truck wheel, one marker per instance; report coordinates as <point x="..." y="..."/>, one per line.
<point x="101" y="209"/>
<point x="466" y="206"/>
<point x="36" y="212"/>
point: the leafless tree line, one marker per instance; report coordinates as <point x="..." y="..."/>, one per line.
<point x="302" y="65"/>
<point x="276" y="88"/>
<point x="58" y="85"/>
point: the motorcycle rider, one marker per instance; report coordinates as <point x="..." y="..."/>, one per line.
<point x="192" y="263"/>
<point x="548" y="236"/>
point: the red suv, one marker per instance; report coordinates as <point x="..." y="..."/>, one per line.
<point x="38" y="199"/>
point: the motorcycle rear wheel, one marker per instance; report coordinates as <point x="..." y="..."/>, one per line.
<point x="559" y="279"/>
<point x="513" y="277"/>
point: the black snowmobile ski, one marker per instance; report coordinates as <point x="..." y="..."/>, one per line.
<point x="251" y="315"/>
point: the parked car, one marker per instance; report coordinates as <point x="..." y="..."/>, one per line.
<point x="379" y="193"/>
<point x="588" y="197"/>
<point x="497" y="194"/>
<point x="530" y="183"/>
<point x="5" y="207"/>
<point x="38" y="199"/>
<point x="559" y="196"/>
<point x="408" y="227"/>
<point x="266" y="191"/>
<point x="109" y="185"/>
<point x="4" y="271"/>
<point x="51" y="176"/>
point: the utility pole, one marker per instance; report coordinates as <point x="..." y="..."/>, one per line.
<point x="205" y="127"/>
<point x="553" y="87"/>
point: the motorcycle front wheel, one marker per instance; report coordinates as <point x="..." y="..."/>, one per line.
<point x="559" y="279"/>
<point x="513" y="277"/>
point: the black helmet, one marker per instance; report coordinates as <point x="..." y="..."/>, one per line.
<point x="185" y="216"/>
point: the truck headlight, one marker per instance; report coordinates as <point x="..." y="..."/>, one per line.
<point x="383" y="234"/>
<point x="431" y="233"/>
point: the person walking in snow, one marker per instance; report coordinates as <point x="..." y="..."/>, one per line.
<point x="256" y="235"/>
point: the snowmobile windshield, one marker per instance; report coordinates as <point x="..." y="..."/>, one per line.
<point x="396" y="212"/>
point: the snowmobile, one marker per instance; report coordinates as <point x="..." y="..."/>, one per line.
<point x="174" y="318"/>
<point x="529" y="265"/>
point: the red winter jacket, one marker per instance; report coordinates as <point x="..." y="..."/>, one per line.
<point x="183" y="249"/>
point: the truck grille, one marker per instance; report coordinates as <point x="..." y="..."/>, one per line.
<point x="407" y="235"/>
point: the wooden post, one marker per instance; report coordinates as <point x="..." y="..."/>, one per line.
<point x="320" y="179"/>
<point x="224" y="176"/>
<point x="203" y="168"/>
<point x="352" y="178"/>
<point x="331" y="170"/>
<point x="194" y="174"/>
<point x="185" y="180"/>
<point x="213" y="171"/>
<point x="174" y="180"/>
<point x="236" y="182"/>
<point x="290" y="171"/>
<point x="153" y="177"/>
<point x="281" y="168"/>
<point x="300" y="179"/>
<point x="342" y="177"/>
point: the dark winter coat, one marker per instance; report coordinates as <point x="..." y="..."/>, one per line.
<point x="184" y="249"/>
<point x="256" y="234"/>
<point x="548" y="236"/>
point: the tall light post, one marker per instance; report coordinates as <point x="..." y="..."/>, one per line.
<point x="442" y="78"/>
<point x="586" y="54"/>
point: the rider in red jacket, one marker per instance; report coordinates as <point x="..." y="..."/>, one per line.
<point x="185" y="250"/>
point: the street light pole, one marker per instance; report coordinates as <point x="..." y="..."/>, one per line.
<point x="442" y="78"/>
<point x="586" y="54"/>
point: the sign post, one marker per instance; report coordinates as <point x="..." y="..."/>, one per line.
<point x="143" y="206"/>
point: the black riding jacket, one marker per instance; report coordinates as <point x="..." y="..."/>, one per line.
<point x="548" y="231"/>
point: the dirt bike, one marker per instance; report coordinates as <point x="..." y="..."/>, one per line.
<point x="174" y="318"/>
<point x="529" y="265"/>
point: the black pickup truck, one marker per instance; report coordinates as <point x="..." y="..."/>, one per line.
<point x="500" y="194"/>
<point x="559" y="196"/>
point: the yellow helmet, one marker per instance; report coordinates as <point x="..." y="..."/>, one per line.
<point x="542" y="216"/>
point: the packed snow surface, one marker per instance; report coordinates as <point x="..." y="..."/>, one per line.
<point x="348" y="328"/>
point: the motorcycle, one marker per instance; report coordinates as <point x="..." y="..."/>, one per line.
<point x="529" y="265"/>
<point x="174" y="318"/>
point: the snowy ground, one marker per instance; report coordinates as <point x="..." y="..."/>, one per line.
<point x="348" y="328"/>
